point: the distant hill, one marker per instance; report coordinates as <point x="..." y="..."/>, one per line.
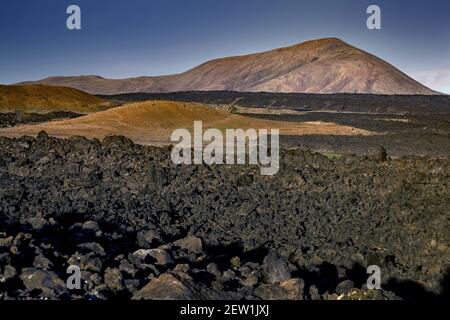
<point x="43" y="98"/>
<point x="321" y="66"/>
<point x="152" y="122"/>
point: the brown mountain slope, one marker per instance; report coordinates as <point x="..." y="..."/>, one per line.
<point x="320" y="66"/>
<point x="43" y="98"/>
<point x="152" y="122"/>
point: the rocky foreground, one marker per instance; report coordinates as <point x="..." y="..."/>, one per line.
<point x="140" y="227"/>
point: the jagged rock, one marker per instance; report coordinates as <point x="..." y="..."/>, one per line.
<point x="161" y="256"/>
<point x="212" y="268"/>
<point x="293" y="288"/>
<point x="46" y="281"/>
<point x="42" y="135"/>
<point x="6" y="243"/>
<point x="91" y="226"/>
<point x="314" y="293"/>
<point x="38" y="223"/>
<point x="88" y="261"/>
<point x="113" y="279"/>
<point x="365" y="294"/>
<point x="190" y="243"/>
<point x="141" y="256"/>
<point x="345" y="286"/>
<point x="41" y="262"/>
<point x="275" y="268"/>
<point x="165" y="287"/>
<point x="91" y="280"/>
<point x="22" y="239"/>
<point x="128" y="268"/>
<point x="9" y="272"/>
<point x="270" y="292"/>
<point x="147" y="239"/>
<point x="113" y="140"/>
<point x="235" y="262"/>
<point x="132" y="285"/>
<point x="288" y="290"/>
<point x="330" y="296"/>
<point x="93" y="247"/>
<point x="83" y="233"/>
<point x="182" y="268"/>
<point x="228" y="275"/>
<point x="251" y="279"/>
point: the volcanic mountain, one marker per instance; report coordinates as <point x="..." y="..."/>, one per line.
<point x="320" y="66"/>
<point x="152" y="122"/>
<point x="43" y="98"/>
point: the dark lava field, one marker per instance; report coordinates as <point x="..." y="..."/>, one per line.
<point x="140" y="227"/>
<point x="403" y="124"/>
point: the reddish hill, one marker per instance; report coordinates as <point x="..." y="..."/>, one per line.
<point x="43" y="98"/>
<point x="152" y="122"/>
<point x="320" y="66"/>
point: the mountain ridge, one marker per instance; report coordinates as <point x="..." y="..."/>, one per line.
<point x="327" y="65"/>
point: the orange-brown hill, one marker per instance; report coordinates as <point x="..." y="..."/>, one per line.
<point x="43" y="98"/>
<point x="152" y="123"/>
<point x="320" y="66"/>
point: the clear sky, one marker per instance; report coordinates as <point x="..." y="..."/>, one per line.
<point x="126" y="38"/>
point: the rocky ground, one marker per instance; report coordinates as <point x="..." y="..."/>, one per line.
<point x="346" y="102"/>
<point x="427" y="135"/>
<point x="11" y="119"/>
<point x="140" y="227"/>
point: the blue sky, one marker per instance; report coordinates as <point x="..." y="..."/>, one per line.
<point x="126" y="38"/>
